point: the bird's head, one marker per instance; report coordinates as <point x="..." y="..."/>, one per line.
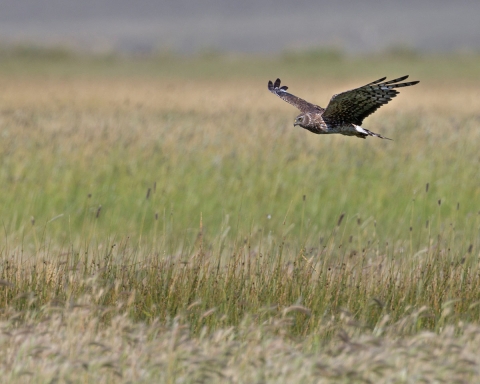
<point x="302" y="120"/>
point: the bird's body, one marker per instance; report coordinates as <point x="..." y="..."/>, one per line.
<point x="346" y="111"/>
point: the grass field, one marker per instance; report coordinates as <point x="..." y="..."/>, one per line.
<point x="163" y="221"/>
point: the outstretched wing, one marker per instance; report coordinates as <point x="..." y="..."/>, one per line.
<point x="301" y="104"/>
<point x="355" y="105"/>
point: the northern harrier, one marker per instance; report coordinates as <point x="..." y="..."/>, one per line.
<point x="346" y="111"/>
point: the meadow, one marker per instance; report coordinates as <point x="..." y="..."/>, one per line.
<point x="163" y="221"/>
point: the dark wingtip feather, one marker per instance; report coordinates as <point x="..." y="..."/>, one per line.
<point x="400" y="85"/>
<point x="396" y="80"/>
<point x="401" y="78"/>
<point x="377" y="81"/>
<point x="273" y="87"/>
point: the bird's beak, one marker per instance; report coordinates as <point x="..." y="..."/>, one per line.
<point x="295" y="124"/>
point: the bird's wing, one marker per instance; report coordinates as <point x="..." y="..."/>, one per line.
<point x="356" y="104"/>
<point x="301" y="104"/>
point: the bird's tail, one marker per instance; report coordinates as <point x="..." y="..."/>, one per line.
<point x="363" y="133"/>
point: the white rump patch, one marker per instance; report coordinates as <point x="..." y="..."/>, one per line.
<point x="360" y="129"/>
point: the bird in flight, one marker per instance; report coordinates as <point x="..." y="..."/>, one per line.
<point x="346" y="111"/>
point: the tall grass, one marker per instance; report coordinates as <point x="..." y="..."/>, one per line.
<point x="178" y="228"/>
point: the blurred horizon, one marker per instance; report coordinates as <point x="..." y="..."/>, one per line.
<point x="265" y="26"/>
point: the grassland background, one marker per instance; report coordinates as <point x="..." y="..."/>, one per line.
<point x="163" y="220"/>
